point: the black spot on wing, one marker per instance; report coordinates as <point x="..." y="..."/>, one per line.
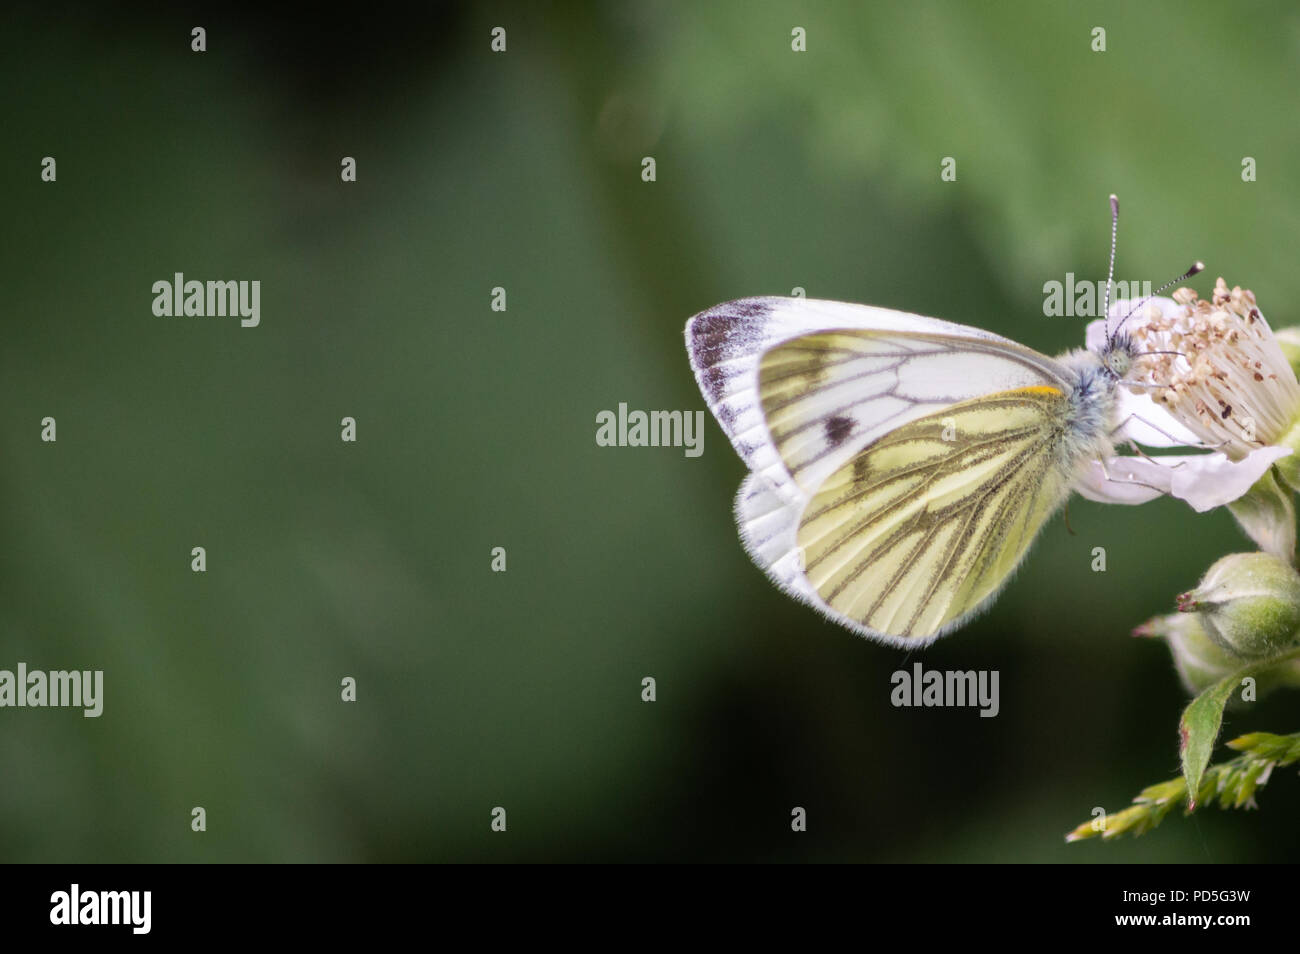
<point x="838" y="430"/>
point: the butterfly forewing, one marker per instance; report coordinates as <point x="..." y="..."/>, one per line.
<point x="880" y="369"/>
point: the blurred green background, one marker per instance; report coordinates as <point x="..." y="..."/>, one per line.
<point x="476" y="429"/>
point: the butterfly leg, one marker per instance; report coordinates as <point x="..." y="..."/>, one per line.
<point x="1122" y="480"/>
<point x="1155" y="460"/>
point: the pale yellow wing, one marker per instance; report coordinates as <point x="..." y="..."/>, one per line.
<point x="921" y="527"/>
<point x="826" y="396"/>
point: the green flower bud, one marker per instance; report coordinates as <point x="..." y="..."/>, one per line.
<point x="1248" y="603"/>
<point x="1200" y="661"/>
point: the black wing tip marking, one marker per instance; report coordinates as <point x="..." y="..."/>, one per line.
<point x="720" y="332"/>
<point x="713" y="327"/>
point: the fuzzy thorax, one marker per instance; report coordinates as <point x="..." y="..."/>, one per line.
<point x="1091" y="420"/>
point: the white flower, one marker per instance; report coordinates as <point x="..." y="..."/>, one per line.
<point x="1206" y="374"/>
<point x="1228" y="382"/>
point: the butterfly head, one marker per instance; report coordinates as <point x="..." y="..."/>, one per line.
<point x="1118" y="355"/>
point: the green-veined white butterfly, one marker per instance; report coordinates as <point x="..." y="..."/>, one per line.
<point x="901" y="466"/>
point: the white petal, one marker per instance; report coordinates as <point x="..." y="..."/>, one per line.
<point x="1146" y="422"/>
<point x="1119" y="488"/>
<point x="1211" y="480"/>
<point x="1205" y="481"/>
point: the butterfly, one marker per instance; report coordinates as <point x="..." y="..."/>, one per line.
<point x="901" y="466"/>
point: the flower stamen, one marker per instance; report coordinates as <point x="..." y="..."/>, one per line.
<point x="1217" y="368"/>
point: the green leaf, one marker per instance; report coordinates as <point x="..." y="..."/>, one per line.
<point x="1199" y="727"/>
<point x="1235" y="783"/>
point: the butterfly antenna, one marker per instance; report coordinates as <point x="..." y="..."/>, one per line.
<point x="1110" y="272"/>
<point x="1196" y="267"/>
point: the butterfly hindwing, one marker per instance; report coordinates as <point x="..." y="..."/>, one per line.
<point x="919" y="529"/>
